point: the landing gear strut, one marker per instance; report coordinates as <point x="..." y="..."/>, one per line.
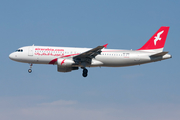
<point x="85" y="71"/>
<point x="30" y="70"/>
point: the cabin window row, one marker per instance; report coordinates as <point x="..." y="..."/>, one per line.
<point x="56" y="52"/>
<point x="123" y="54"/>
<point x="109" y="54"/>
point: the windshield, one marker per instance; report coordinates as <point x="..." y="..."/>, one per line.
<point x="19" y="50"/>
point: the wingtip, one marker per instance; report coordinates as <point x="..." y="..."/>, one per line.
<point x="105" y="45"/>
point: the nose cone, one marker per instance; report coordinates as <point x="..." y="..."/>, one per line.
<point x="12" y="56"/>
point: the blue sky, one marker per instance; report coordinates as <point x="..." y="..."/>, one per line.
<point x="149" y="91"/>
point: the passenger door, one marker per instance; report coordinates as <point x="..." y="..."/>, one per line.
<point x="30" y="51"/>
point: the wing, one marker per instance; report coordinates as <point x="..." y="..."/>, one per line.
<point x="88" y="55"/>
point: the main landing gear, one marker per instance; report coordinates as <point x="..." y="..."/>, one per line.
<point x="85" y="72"/>
<point x="30" y="70"/>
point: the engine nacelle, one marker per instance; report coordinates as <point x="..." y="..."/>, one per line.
<point x="65" y="65"/>
<point x="66" y="69"/>
<point x="64" y="62"/>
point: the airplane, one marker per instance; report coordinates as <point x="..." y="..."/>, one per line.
<point x="68" y="59"/>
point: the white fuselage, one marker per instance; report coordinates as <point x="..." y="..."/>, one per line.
<point x="107" y="58"/>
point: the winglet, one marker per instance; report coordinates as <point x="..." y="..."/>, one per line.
<point x="105" y="45"/>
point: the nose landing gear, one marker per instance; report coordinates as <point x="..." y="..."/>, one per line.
<point x="30" y="70"/>
<point x="85" y="71"/>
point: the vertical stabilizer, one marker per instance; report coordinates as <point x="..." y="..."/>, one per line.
<point x="157" y="41"/>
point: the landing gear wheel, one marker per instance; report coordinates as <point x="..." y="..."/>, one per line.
<point x="29" y="70"/>
<point x="84" y="75"/>
<point x="85" y="71"/>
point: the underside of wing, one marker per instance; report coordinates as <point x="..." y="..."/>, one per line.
<point x="88" y="55"/>
<point x="91" y="53"/>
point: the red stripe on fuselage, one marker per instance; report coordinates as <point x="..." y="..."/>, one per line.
<point x="55" y="60"/>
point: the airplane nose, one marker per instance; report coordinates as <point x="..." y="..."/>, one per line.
<point x="11" y="56"/>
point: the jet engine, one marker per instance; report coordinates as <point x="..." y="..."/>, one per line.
<point x="65" y="65"/>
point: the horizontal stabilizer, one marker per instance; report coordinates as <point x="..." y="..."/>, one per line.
<point x="159" y="54"/>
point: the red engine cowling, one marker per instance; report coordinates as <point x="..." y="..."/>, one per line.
<point x="65" y="65"/>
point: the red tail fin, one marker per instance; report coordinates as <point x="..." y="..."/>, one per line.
<point x="157" y="41"/>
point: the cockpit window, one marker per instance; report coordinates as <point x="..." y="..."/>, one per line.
<point x="19" y="50"/>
